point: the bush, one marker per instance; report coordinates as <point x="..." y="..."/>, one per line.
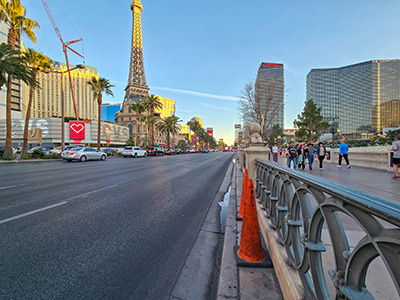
<point x="38" y="154"/>
<point x="53" y="156"/>
<point x="26" y="156"/>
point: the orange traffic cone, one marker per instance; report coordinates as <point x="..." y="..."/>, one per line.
<point x="250" y="251"/>
<point x="243" y="197"/>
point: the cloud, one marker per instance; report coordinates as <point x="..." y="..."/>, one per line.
<point x="219" y="107"/>
<point x="206" y="95"/>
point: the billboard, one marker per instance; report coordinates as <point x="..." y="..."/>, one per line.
<point x="270" y="65"/>
<point x="210" y="131"/>
<point x="76" y="130"/>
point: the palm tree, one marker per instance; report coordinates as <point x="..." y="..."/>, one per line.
<point x="149" y="121"/>
<point x="12" y="63"/>
<point x="151" y="103"/>
<point x="169" y="125"/>
<point x="37" y="62"/>
<point x="138" y="109"/>
<point x="195" y="127"/>
<point x="13" y="14"/>
<point x="98" y="87"/>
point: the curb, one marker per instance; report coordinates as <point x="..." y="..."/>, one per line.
<point x="228" y="284"/>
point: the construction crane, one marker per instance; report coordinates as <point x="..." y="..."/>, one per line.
<point x="65" y="46"/>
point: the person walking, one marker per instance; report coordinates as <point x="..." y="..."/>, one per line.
<point x="275" y="151"/>
<point x="396" y="156"/>
<point x="301" y="157"/>
<point x="321" y="153"/>
<point x="310" y="153"/>
<point x="343" y="152"/>
<point x="292" y="151"/>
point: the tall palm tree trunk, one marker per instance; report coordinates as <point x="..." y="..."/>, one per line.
<point x="12" y="35"/>
<point x="99" y="101"/>
<point x="27" y="117"/>
<point x="8" y="149"/>
<point x="137" y="130"/>
<point x="168" y="139"/>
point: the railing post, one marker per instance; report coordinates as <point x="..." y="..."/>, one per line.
<point x="240" y="155"/>
<point x="256" y="150"/>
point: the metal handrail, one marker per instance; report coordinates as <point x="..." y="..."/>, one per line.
<point x="300" y="206"/>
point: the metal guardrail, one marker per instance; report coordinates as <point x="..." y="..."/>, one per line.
<point x="301" y="208"/>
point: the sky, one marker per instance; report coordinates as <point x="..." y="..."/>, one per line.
<point x="201" y="53"/>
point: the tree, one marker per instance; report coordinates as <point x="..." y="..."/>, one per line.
<point x="168" y="126"/>
<point x="195" y="127"/>
<point x="275" y="135"/>
<point x="182" y="144"/>
<point x="13" y="14"/>
<point x="98" y="87"/>
<point x="149" y="121"/>
<point x="37" y="62"/>
<point x="138" y="109"/>
<point x="259" y="106"/>
<point x="309" y="123"/>
<point x="151" y="103"/>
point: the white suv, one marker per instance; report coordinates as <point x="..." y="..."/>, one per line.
<point x="133" y="152"/>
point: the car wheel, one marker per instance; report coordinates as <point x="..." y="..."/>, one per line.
<point x="135" y="156"/>
<point x="145" y="154"/>
<point x="103" y="157"/>
<point x="83" y="158"/>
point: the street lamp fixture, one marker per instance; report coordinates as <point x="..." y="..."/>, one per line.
<point x="62" y="102"/>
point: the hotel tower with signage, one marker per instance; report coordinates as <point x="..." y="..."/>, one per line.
<point x="270" y="87"/>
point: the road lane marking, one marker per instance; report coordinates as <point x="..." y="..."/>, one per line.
<point x="67" y="200"/>
<point x="32" y="212"/>
<point x="11" y="186"/>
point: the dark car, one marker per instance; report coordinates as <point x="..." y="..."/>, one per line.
<point x="169" y="151"/>
<point x="155" y="151"/>
<point x="2" y="151"/>
<point x="109" y="151"/>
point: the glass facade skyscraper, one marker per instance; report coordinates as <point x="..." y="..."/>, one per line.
<point x="363" y="97"/>
<point x="270" y="88"/>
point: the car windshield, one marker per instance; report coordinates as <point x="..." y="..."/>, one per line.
<point x="76" y="149"/>
<point x="128" y="148"/>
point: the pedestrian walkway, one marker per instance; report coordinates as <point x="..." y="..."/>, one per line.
<point x="371" y="181"/>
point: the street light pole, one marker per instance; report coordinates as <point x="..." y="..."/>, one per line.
<point x="63" y="102"/>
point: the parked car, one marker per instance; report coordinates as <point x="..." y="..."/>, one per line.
<point x="45" y="149"/>
<point x="109" y="151"/>
<point x="204" y="150"/>
<point x="133" y="151"/>
<point x="83" y="154"/>
<point x="155" y="151"/>
<point x="178" y="151"/>
<point x="2" y="151"/>
<point x="192" y="151"/>
<point x="169" y="151"/>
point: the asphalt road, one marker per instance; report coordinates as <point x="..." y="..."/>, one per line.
<point x="118" y="229"/>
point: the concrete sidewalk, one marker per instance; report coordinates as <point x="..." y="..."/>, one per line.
<point x="242" y="282"/>
<point x="375" y="182"/>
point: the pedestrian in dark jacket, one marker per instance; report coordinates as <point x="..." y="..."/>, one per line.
<point x="321" y="154"/>
<point x="301" y="157"/>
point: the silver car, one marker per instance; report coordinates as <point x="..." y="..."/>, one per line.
<point x="83" y="154"/>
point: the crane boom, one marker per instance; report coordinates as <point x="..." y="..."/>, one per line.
<point x="52" y="20"/>
<point x="65" y="46"/>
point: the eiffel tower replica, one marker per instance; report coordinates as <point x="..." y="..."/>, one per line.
<point x="137" y="88"/>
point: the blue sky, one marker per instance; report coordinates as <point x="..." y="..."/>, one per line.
<point x="202" y="52"/>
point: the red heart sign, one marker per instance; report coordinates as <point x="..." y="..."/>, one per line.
<point x="76" y="130"/>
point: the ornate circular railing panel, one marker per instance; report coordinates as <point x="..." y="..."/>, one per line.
<point x="313" y="216"/>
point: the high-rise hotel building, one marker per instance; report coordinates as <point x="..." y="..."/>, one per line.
<point x="16" y="88"/>
<point x="270" y="88"/>
<point x="360" y="97"/>
<point x="47" y="98"/>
